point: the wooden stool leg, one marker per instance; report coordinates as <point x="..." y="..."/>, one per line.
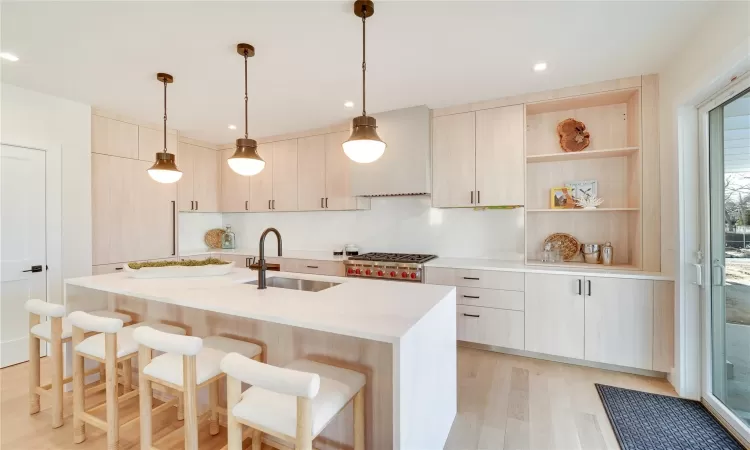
<point x="191" y="406"/>
<point x="181" y="406"/>
<point x="57" y="373"/>
<point x="304" y="424"/>
<point x="127" y="376"/>
<point x="34" y="373"/>
<point x="145" y="394"/>
<point x="359" y="420"/>
<point x="102" y="373"/>
<point x="113" y="410"/>
<point x="234" y="428"/>
<point x="213" y="403"/>
<point x="79" y="389"/>
<point x="257" y="440"/>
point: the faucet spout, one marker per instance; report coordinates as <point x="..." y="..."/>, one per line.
<point x="263" y="267"/>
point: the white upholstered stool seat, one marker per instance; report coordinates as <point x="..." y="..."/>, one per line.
<point x="126" y="344"/>
<point x="278" y="412"/>
<point x="44" y="329"/>
<point x="169" y="366"/>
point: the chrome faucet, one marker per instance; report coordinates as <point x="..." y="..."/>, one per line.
<point x="262" y="263"/>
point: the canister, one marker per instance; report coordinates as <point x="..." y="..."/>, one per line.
<point x="608" y="254"/>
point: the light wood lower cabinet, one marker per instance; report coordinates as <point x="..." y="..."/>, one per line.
<point x="332" y="268"/>
<point x="486" y="279"/>
<point x="554" y="315"/>
<point x="619" y="321"/>
<point x="488" y="326"/>
<point x="663" y="359"/>
<point x="490" y="298"/>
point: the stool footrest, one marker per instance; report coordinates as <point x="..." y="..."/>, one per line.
<point x="93" y="421"/>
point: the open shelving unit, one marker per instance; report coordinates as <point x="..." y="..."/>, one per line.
<point x="613" y="159"/>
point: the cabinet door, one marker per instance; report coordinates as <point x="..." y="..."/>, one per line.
<point x="184" y="159"/>
<point x="261" y="185"/>
<point x="554" y="315"/>
<point x="154" y="215"/>
<point x="151" y="141"/>
<point x="112" y="137"/>
<point x="109" y="195"/>
<point x="498" y="327"/>
<point x="235" y="188"/>
<point x="338" y="188"/>
<point x="619" y="321"/>
<point x="206" y="179"/>
<point x="285" y="175"/>
<point x="453" y="160"/>
<point x="311" y="167"/>
<point x="500" y="162"/>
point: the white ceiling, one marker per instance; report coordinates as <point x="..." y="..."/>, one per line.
<point x="308" y="54"/>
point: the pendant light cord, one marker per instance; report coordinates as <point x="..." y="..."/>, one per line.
<point x="245" y="94"/>
<point x="364" y="63"/>
<point x="165" y="116"/>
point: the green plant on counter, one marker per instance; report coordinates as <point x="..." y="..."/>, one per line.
<point x="186" y="262"/>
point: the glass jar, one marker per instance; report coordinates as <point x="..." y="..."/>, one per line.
<point x="227" y="241"/>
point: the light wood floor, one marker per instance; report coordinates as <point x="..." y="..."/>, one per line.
<point x="504" y="402"/>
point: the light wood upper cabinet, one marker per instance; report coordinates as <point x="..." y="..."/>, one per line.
<point x="619" y="321"/>
<point x="284" y="175"/>
<point x="500" y="162"/>
<point x="199" y="186"/>
<point x="151" y="141"/>
<point x="453" y="160"/>
<point x="235" y="188"/>
<point x="261" y="185"/>
<point x="554" y="315"/>
<point x="338" y="189"/>
<point x="113" y="137"/>
<point x="185" y="160"/>
<point x="311" y="168"/>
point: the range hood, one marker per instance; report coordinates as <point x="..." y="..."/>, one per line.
<point x="404" y="168"/>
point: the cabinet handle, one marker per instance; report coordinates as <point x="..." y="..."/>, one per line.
<point x="471" y="296"/>
<point x="269" y="204"/>
<point x="579" y="287"/>
<point x="471" y="278"/>
<point x="273" y="204"/>
<point x="247" y="262"/>
<point x="588" y="282"/>
<point x="192" y="205"/>
<point x="321" y="203"/>
<point x="326" y="202"/>
<point x="245" y="205"/>
<point x="174" y="224"/>
<point x="118" y="268"/>
<point x="312" y="267"/>
<point x="471" y="315"/>
<point x="478" y="200"/>
<point x="472" y="197"/>
<point x="196" y="205"/>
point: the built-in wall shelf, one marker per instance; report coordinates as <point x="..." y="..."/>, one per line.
<point x="582" y="265"/>
<point x="577" y="156"/>
<point x="581" y="210"/>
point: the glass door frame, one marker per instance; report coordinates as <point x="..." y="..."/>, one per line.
<point x="704" y="217"/>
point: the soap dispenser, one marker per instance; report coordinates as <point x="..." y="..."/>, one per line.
<point x="227" y="241"/>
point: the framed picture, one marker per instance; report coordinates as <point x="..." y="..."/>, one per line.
<point x="583" y="189"/>
<point x="561" y="198"/>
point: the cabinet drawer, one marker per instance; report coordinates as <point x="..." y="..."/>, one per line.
<point x="487" y="279"/>
<point x="332" y="268"/>
<point x="239" y="260"/>
<point x="498" y="327"/>
<point x="102" y="269"/>
<point x="490" y="298"/>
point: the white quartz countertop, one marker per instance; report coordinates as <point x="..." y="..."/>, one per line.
<point x="270" y="253"/>
<point x="520" y="266"/>
<point x="369" y="309"/>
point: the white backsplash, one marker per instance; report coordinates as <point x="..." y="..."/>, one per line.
<point x="393" y="224"/>
<point x="194" y="225"/>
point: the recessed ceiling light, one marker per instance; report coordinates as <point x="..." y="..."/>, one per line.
<point x="9" y="56"/>
<point x="232" y="127"/>
<point x="540" y="66"/>
<point x="349" y="104"/>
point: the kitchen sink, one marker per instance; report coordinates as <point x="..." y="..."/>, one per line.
<point x="296" y="284"/>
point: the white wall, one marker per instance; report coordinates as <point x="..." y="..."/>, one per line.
<point x="717" y="50"/>
<point x="393" y="224"/>
<point x="192" y="227"/>
<point x="63" y="129"/>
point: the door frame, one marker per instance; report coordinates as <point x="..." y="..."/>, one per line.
<point x="724" y="413"/>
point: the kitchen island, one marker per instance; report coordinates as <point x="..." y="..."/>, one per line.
<point x="402" y="336"/>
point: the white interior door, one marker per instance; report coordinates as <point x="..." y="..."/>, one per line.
<point x="22" y="246"/>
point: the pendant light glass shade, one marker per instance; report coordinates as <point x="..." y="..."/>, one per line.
<point x="364" y="145"/>
<point x="246" y="161"/>
<point x="164" y="169"/>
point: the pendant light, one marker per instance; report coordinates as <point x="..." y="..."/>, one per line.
<point x="164" y="169"/>
<point x="364" y="145"/>
<point x="245" y="160"/>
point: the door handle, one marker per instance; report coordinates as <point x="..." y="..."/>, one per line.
<point x="478" y="198"/>
<point x="588" y="283"/>
<point x="721" y="280"/>
<point x="174" y="226"/>
<point x="472" y="197"/>
<point x="471" y="315"/>
<point x="698" y="275"/>
<point x="34" y="269"/>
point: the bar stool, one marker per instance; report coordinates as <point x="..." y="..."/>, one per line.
<point x="56" y="331"/>
<point x="114" y="344"/>
<point x="293" y="404"/>
<point x="188" y="364"/>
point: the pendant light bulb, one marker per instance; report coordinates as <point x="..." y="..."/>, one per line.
<point x="364" y="145"/>
<point x="164" y="169"/>
<point x="246" y="161"/>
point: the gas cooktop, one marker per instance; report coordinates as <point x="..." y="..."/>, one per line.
<point x="389" y="266"/>
<point x="413" y="258"/>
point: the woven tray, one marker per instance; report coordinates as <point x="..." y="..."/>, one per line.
<point x="212" y="238"/>
<point x="568" y="244"/>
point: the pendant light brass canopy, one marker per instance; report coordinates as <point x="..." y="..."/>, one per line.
<point x="246" y="161"/>
<point x="164" y="169"/>
<point x="364" y="145"/>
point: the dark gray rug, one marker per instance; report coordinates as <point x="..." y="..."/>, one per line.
<point x="644" y="421"/>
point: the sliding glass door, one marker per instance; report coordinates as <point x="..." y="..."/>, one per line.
<point x="728" y="258"/>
